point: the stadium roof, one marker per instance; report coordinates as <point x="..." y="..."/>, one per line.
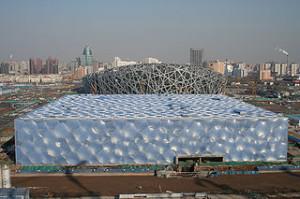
<point x="147" y="106"/>
<point x="156" y="79"/>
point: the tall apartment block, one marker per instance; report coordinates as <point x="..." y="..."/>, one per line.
<point x="196" y="56"/>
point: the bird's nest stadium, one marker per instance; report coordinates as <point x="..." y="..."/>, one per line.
<point x="156" y="79"/>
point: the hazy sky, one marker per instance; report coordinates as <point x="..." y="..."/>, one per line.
<point x="246" y="30"/>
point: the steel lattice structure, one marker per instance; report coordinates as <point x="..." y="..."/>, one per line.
<point x="156" y="79"/>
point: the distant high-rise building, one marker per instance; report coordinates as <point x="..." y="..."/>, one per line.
<point x="229" y="70"/>
<point x="265" y="72"/>
<point x="151" y="60"/>
<point x="217" y="66"/>
<point x="23" y="68"/>
<point x="276" y="69"/>
<point x="284" y="69"/>
<point x="77" y="62"/>
<point x="35" y="66"/>
<point x="244" y="72"/>
<point x="80" y="72"/>
<point x="117" y="62"/>
<point x="51" y="66"/>
<point x="87" y="59"/>
<point x="8" y="68"/>
<point x="4" y="68"/>
<point x="294" y="68"/>
<point x="14" y="67"/>
<point x="265" y="75"/>
<point x="265" y="66"/>
<point x="196" y="56"/>
<point x="240" y="70"/>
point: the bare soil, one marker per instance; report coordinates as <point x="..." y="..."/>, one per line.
<point x="112" y="185"/>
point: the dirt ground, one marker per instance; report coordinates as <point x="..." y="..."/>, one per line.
<point x="113" y="185"/>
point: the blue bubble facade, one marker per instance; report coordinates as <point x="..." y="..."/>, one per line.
<point x="148" y="129"/>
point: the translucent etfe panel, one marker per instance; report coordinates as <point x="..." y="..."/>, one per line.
<point x="147" y="106"/>
<point x="148" y="140"/>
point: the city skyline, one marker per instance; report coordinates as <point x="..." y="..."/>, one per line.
<point x="231" y="29"/>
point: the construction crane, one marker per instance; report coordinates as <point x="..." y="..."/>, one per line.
<point x="253" y="88"/>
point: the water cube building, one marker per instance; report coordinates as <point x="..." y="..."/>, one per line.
<point x="148" y="129"/>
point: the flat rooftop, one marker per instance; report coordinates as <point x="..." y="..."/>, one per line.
<point x="147" y="106"/>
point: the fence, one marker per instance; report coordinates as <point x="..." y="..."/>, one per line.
<point x="91" y="169"/>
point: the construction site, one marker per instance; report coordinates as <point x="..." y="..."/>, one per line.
<point x="20" y="99"/>
<point x="142" y="170"/>
<point x="275" y="185"/>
